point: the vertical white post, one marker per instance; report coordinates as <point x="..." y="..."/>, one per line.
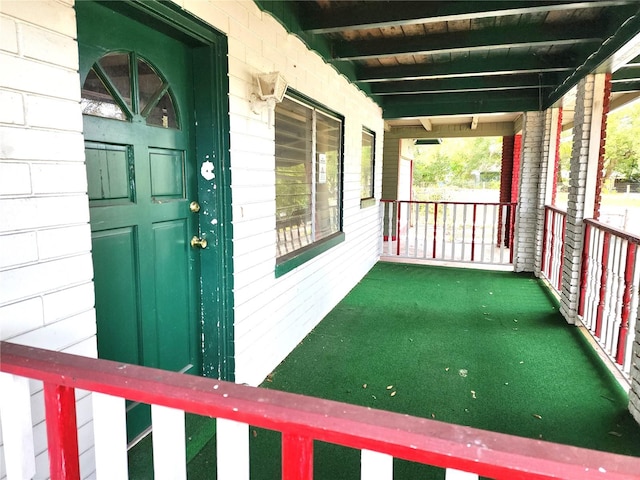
<point x="459" y="475"/>
<point x="232" y="448"/>
<point x="169" y="447"/>
<point x="110" y="436"/>
<point x="15" y="414"/>
<point x="376" y="466"/>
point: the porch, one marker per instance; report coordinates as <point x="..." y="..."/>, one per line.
<point x="453" y="348"/>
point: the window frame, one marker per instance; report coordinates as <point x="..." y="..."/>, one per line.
<point x="289" y="261"/>
<point x="369" y="200"/>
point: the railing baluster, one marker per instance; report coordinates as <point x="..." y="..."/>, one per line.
<point x="169" y="447"/>
<point x="416" y="227"/>
<point x="15" y="416"/>
<point x="375" y="466"/>
<point x="232" y="450"/>
<point x="426" y="229"/>
<point x="626" y="302"/>
<point x="110" y="436"/>
<point x="604" y="264"/>
<point x="297" y="457"/>
<point x="493" y="231"/>
<point x="561" y="264"/>
<point x="62" y="434"/>
<point x="545" y="239"/>
<point x="452" y="474"/>
<point x="464" y="231"/>
<point x="445" y="207"/>
<point x="584" y="269"/>
<point x="399" y="208"/>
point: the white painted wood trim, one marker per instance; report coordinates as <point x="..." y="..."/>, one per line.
<point x="110" y="436"/>
<point x="459" y="475"/>
<point x="375" y="466"/>
<point x="169" y="447"/>
<point x="15" y="415"/>
<point x="232" y="450"/>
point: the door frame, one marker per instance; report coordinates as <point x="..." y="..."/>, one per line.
<point x="211" y="87"/>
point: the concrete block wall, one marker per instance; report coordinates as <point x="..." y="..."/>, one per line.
<point x="46" y="290"/>
<point x="272" y="315"/>
<point x="543" y="186"/>
<point x="576" y="198"/>
<point x="527" y="211"/>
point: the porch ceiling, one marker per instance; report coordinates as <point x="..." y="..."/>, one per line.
<point x="422" y="61"/>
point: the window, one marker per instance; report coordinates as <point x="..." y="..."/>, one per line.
<point x="123" y="86"/>
<point x="367" y="168"/>
<point x="308" y="177"/>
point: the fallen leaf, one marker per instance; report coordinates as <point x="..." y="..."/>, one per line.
<point x="255" y="434"/>
<point x="374" y="397"/>
<point x="389" y="387"/>
<point x="364" y="385"/>
<point x="446" y="369"/>
<point x="537" y="416"/>
<point x="393" y="394"/>
<point x="473" y="394"/>
<point x="615" y="434"/>
<point x="433" y="415"/>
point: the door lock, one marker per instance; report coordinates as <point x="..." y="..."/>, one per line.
<point x="197" y="242"/>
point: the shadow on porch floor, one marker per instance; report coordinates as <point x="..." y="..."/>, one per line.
<point x="480" y="348"/>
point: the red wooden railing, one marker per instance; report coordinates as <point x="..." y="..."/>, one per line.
<point x="555" y="221"/>
<point x="609" y="284"/>
<point x="449" y="231"/>
<point x="300" y="419"/>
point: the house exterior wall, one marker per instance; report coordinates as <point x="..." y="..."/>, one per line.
<point x="47" y="296"/>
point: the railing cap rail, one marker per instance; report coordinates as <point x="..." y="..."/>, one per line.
<point x="613" y="231"/>
<point x="416" y="439"/>
<point x="426" y="202"/>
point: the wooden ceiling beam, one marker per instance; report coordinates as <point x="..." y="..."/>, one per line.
<point x="380" y="15"/>
<point x="468" y="41"/>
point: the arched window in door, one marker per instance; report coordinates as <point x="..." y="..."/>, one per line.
<point x="123" y="86"/>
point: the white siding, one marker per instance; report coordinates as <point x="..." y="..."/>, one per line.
<point x="46" y="293"/>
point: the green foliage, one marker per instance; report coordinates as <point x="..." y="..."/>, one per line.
<point x="459" y="162"/>
<point x="622" y="151"/>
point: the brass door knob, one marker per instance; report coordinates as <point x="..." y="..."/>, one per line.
<point x="197" y="242"/>
<point x="194" y="207"/>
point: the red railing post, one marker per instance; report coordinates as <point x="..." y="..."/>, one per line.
<point x="473" y="232"/>
<point x="604" y="274"/>
<point x="297" y="457"/>
<point x="435" y="228"/>
<point x="584" y="268"/>
<point x="512" y="223"/>
<point x="626" y="303"/>
<point x="62" y="435"/>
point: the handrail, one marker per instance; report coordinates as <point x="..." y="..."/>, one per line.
<point x="613" y="231"/>
<point x="303" y="419"/>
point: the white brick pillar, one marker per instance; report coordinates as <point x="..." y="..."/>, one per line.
<point x="530" y="196"/>
<point x="582" y="185"/>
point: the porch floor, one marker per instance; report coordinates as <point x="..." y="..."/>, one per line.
<point x="487" y="349"/>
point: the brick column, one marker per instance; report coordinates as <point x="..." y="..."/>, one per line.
<point x="583" y="178"/>
<point x="529" y="192"/>
<point x="517" y="155"/>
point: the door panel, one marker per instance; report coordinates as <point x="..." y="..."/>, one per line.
<point x="119" y="303"/>
<point x="141" y="176"/>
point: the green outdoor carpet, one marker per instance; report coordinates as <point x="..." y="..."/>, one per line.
<point x="480" y="348"/>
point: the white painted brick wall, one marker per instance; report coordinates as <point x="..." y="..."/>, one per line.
<point x="527" y="213"/>
<point x="46" y="294"/>
<point x="634" y="394"/>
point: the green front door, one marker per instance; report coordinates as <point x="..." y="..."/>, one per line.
<point x="139" y="143"/>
